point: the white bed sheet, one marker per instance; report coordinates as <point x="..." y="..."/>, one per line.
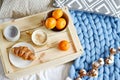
<point x="56" y="73"/>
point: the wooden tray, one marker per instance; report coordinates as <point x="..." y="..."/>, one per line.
<point x="49" y="54"/>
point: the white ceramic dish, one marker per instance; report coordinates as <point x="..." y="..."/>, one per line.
<point x="39" y="37"/>
<point x="11" y="33"/>
<point x="17" y="61"/>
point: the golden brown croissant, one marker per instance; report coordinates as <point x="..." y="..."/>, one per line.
<point x="23" y="52"/>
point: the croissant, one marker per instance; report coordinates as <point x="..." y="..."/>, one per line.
<point x="23" y="52"/>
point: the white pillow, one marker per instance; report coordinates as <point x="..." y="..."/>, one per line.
<point x="21" y="8"/>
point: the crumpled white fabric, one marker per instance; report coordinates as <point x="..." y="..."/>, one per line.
<point x="56" y="73"/>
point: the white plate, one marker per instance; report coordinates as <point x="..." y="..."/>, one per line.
<point x="17" y="61"/>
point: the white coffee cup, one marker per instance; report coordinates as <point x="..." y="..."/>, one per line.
<point x="11" y="33"/>
<point x="39" y="37"/>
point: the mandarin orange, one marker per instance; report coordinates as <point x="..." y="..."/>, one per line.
<point x="61" y="23"/>
<point x="64" y="45"/>
<point x="50" y="23"/>
<point x="57" y="13"/>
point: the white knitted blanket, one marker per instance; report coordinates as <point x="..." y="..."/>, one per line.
<point x="21" y="8"/>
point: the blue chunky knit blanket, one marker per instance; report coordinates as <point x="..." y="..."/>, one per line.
<point x="97" y="34"/>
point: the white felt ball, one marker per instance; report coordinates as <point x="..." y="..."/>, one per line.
<point x="101" y="61"/>
<point x="112" y="57"/>
<point x="112" y="51"/>
<point x="110" y="61"/>
<point x="78" y="79"/>
<point x="119" y="48"/>
<point x="95" y="72"/>
<point x="68" y="78"/>
<point x="95" y="64"/>
<point x="84" y="71"/>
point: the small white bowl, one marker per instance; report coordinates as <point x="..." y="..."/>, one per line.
<point x="39" y="37"/>
<point x="11" y="33"/>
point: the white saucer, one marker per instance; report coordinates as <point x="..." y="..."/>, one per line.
<point x="17" y="61"/>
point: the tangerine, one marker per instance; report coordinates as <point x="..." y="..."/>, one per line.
<point x="61" y="23"/>
<point x="50" y="23"/>
<point x="64" y="45"/>
<point x="57" y="13"/>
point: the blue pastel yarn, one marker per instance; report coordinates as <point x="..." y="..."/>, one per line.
<point x="97" y="34"/>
